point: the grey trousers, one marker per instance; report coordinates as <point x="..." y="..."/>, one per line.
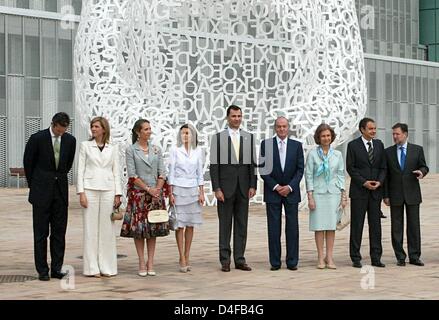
<point x="233" y="210"/>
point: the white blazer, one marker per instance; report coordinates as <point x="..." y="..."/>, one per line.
<point x="98" y="170"/>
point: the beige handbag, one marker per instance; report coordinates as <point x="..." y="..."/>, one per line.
<point x="116" y="214"/>
<point x="343" y="218"/>
<point x="158" y="216"/>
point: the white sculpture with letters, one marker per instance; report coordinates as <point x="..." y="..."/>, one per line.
<point x="174" y="62"/>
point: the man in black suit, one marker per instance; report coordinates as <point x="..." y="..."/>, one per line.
<point x="282" y="170"/>
<point x="48" y="158"/>
<point x="366" y="164"/>
<point x="232" y="171"/>
<point x="405" y="167"/>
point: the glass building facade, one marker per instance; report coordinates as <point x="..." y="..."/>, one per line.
<point x="429" y="27"/>
<point x="36" y="71"/>
<point x="402" y="85"/>
<point x="391" y="28"/>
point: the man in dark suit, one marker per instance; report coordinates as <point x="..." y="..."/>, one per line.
<point x="281" y="169"/>
<point x="48" y="158"/>
<point x="366" y="164"/>
<point x="232" y="171"/>
<point x="405" y="167"/>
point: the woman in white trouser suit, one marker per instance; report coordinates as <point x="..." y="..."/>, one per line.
<point x="99" y="189"/>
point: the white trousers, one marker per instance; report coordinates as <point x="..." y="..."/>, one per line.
<point x="100" y="254"/>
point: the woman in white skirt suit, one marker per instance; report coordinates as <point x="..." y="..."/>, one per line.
<point x="99" y="189"/>
<point x="186" y="189"/>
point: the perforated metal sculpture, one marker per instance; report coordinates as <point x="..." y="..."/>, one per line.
<point x="174" y="62"/>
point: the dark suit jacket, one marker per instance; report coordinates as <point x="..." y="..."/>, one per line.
<point x="39" y="165"/>
<point x="226" y="169"/>
<point x="361" y="170"/>
<point x="292" y="174"/>
<point x="400" y="185"/>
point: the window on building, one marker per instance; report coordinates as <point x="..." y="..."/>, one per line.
<point x="15" y="45"/>
<point x="404" y="97"/>
<point x="65" y="56"/>
<point x="23" y="4"/>
<point x="2" y="45"/>
<point x="2" y="96"/>
<point x="49" y="49"/>
<point x="32" y="97"/>
<point x="396" y="87"/>
<point x="372" y="85"/>
<point x="51" y="5"/>
<point x="77" y="5"/>
<point x="32" y="47"/>
<point x="388" y="85"/>
<point x="65" y="96"/>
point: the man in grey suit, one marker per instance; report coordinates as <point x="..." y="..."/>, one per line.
<point x="405" y="167"/>
<point x="232" y="171"/>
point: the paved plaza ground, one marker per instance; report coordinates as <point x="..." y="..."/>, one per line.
<point x="206" y="281"/>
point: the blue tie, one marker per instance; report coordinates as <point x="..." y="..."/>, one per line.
<point x="402" y="158"/>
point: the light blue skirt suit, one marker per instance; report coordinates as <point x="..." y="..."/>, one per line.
<point x="325" y="177"/>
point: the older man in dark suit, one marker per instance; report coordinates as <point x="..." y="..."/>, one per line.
<point x="232" y="171"/>
<point x="405" y="167"/>
<point x="48" y="158"/>
<point x="366" y="164"/>
<point x="281" y="169"/>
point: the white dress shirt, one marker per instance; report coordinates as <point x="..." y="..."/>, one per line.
<point x="366" y="143"/>
<point x="283" y="156"/>
<point x="398" y="152"/>
<point x="186" y="169"/>
<point x="233" y="132"/>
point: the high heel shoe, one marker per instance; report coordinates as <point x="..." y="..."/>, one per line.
<point x="151" y="273"/>
<point x="106" y="275"/>
<point x="321" y="266"/>
<point x="184" y="269"/>
<point x="189" y="268"/>
<point x="142" y="273"/>
<point x="331" y="266"/>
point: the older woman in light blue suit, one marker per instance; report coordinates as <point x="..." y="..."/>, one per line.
<point x="325" y="184"/>
<point x="146" y="173"/>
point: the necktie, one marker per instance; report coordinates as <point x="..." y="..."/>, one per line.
<point x="370" y="152"/>
<point x="236" y="143"/>
<point x="56" y="150"/>
<point x="282" y="154"/>
<point x="402" y="158"/>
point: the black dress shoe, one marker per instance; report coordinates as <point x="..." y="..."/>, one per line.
<point x="274" y="268"/>
<point x="43" y="277"/>
<point x="293" y="268"/>
<point x="58" y="274"/>
<point x="357" y="264"/>
<point x="417" y="262"/>
<point x="400" y="263"/>
<point x="225" y="267"/>
<point x="244" y="267"/>
<point x="383" y="216"/>
<point x="378" y="264"/>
